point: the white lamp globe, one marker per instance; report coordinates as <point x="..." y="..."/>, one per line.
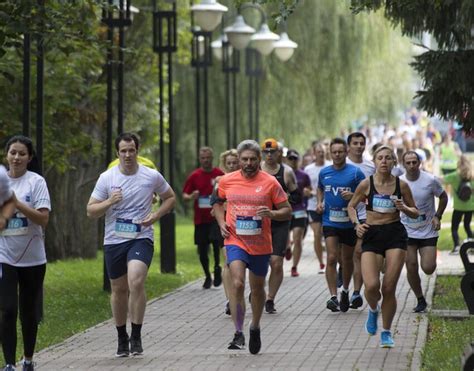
<point x="264" y="39"/>
<point x="208" y="14"/>
<point x="284" y="48"/>
<point x="239" y="33"/>
<point x="217" y="49"/>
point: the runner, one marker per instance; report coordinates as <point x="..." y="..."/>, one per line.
<point x="271" y="164"/>
<point x="335" y="188"/>
<point x="314" y="218"/>
<point x="198" y="187"/>
<point x="356" y="142"/>
<point x="299" y="219"/>
<point x="253" y="199"/>
<point x="422" y="231"/>
<point x="384" y="236"/>
<point x="7" y="199"/>
<point x="22" y="253"/>
<point x="124" y="194"/>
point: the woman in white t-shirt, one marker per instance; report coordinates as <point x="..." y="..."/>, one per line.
<point x="22" y="252"/>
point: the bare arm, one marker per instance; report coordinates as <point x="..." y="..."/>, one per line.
<point x="407" y="203"/>
<point x="37" y="216"/>
<point x="190" y="196"/>
<point x="96" y="208"/>
<point x="168" y="199"/>
<point x="219" y="214"/>
<point x="282" y="212"/>
<point x="290" y="179"/>
<point x="358" y="196"/>
<point x="443" y="202"/>
<point x="319" y="200"/>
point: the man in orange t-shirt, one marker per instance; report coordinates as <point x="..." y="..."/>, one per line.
<point x="251" y="195"/>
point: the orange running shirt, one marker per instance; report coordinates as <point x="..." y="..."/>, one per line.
<point x="244" y="196"/>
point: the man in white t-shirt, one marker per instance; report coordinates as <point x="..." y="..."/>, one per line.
<point x="124" y="194"/>
<point x="315" y="219"/>
<point x="422" y="231"/>
<point x="356" y="143"/>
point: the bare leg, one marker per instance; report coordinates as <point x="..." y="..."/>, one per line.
<point x="332" y="246"/>
<point x="276" y="276"/>
<point x="357" y="274"/>
<point x="347" y="256"/>
<point x="119" y="300"/>
<point x="137" y="272"/>
<point x="297" y="245"/>
<point x="370" y="263"/>
<point x="257" y="286"/>
<point x="412" y="270"/>
<point x="236" y="291"/>
<point x="395" y="258"/>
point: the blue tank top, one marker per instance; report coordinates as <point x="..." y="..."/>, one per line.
<point x="332" y="182"/>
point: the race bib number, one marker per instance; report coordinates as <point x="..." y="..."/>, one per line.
<point x="204" y="202"/>
<point x="300" y="214"/>
<point x="127" y="228"/>
<point x="418" y="222"/>
<point x="248" y="225"/>
<point x="338" y="215"/>
<point x="17" y="226"/>
<point x="383" y="204"/>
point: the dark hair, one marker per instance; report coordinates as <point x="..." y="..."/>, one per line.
<point x="410" y="153"/>
<point x="33" y="164"/>
<point x="127" y="137"/>
<point x="338" y="141"/>
<point x="356" y="134"/>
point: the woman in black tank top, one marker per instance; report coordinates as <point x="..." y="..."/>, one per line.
<point x="384" y="236"/>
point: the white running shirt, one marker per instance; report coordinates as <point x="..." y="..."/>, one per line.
<point x="22" y="242"/>
<point x="5" y="190"/>
<point x="424" y="190"/>
<point x="313" y="171"/>
<point x="122" y="220"/>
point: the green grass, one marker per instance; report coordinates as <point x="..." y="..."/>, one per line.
<point x="448" y="293"/>
<point x="447" y="338"/>
<point x="445" y="241"/>
<point x="75" y="301"/>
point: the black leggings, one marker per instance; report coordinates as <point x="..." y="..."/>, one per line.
<point x="456" y="220"/>
<point x="20" y="287"/>
<point x="203" y="250"/>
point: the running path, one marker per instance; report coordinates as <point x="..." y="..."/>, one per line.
<point x="187" y="329"/>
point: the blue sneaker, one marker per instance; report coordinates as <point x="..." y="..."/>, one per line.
<point x="371" y="323"/>
<point x="386" y="340"/>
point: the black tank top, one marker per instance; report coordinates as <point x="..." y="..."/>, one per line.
<point x="280" y="177"/>
<point x="383" y="203"/>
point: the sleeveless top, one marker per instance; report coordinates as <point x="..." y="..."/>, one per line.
<point x="280" y="177"/>
<point x="383" y="203"/>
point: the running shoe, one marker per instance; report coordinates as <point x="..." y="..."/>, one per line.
<point x="421" y="306"/>
<point x="344" y="303"/>
<point x="386" y="340"/>
<point x="270" y="307"/>
<point x="207" y="283"/>
<point x="27" y="365"/>
<point x="217" y="276"/>
<point x="9" y="368"/>
<point x="123" y="349"/>
<point x="136" y="346"/>
<point x="238" y="342"/>
<point x="254" y="342"/>
<point x="288" y="253"/>
<point x="454" y="251"/>
<point x="294" y="272"/>
<point x="227" y="308"/>
<point x="332" y="304"/>
<point x="371" y="323"/>
<point x="356" y="301"/>
<point x="322" y="268"/>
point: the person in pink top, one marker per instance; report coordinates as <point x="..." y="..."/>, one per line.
<point x="253" y="199"/>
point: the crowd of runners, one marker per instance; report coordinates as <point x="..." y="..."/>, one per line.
<point x="369" y="198"/>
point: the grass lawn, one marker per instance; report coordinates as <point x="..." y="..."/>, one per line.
<point x="74" y="300"/>
<point x="447" y="338"/>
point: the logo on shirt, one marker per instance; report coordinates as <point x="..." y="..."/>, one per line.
<point x="336" y="190"/>
<point x="27" y="198"/>
<point x="327" y="177"/>
<point x="258" y="189"/>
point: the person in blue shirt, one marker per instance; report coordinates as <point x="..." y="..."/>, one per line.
<point x="336" y="186"/>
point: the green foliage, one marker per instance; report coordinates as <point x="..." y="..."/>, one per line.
<point x="447" y="72"/>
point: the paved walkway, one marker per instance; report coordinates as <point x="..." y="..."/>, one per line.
<point x="187" y="330"/>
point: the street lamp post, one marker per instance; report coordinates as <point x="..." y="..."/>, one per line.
<point x="115" y="14"/>
<point x="165" y="43"/>
<point x="254" y="72"/>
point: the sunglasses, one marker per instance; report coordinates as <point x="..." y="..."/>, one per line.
<point x="269" y="151"/>
<point x="292" y="158"/>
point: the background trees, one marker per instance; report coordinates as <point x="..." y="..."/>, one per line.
<point x="346" y="67"/>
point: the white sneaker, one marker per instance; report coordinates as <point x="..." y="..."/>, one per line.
<point x="455" y="251"/>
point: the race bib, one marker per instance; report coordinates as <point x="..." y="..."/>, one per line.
<point x="127" y="228"/>
<point x="17" y="226"/>
<point x="383" y="204"/>
<point x="300" y="214"/>
<point x="204" y="202"/>
<point x="248" y="225"/>
<point x="418" y="222"/>
<point x="338" y="215"/>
